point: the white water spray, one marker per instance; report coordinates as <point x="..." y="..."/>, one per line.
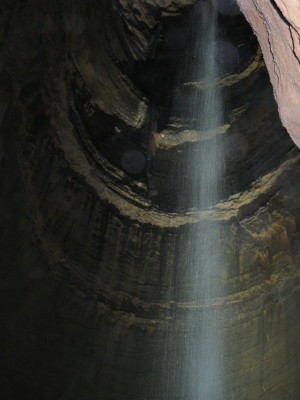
<point x="204" y="362"/>
<point x="192" y="363"/>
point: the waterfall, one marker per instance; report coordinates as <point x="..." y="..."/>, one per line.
<point x="203" y="365"/>
<point x="191" y="358"/>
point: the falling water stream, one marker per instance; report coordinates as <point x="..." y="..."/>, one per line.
<point x="202" y="367"/>
<point x="203" y="364"/>
<point x="195" y="353"/>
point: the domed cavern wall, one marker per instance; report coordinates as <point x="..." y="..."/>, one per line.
<point x="96" y="222"/>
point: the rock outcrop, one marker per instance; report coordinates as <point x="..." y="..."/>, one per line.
<point x="277" y="26"/>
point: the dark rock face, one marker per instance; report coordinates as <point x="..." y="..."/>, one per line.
<point x="92" y="287"/>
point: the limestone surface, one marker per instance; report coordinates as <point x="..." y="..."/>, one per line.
<point x="277" y="26"/>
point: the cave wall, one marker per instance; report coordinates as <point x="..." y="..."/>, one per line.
<point x="92" y="295"/>
<point x="276" y="24"/>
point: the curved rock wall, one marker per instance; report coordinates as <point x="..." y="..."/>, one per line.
<point x="92" y="285"/>
<point x="276" y="24"/>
